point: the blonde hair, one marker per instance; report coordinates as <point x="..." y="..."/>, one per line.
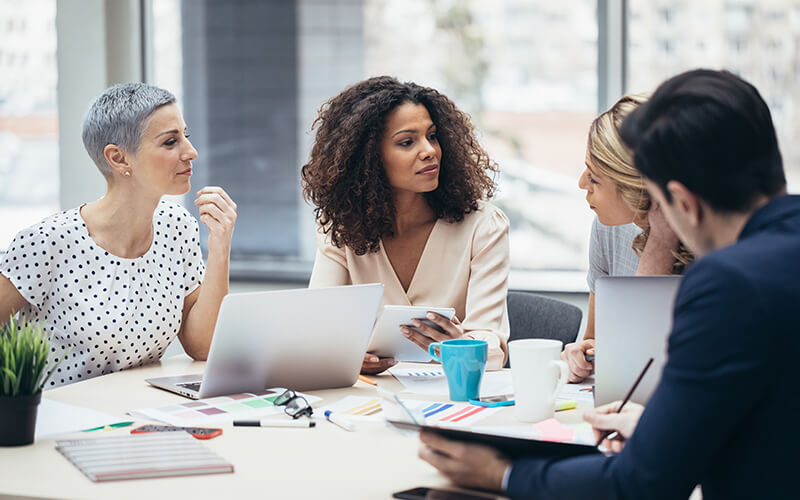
<point x="613" y="159"/>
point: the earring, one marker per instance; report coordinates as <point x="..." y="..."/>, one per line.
<point x="127" y="173"/>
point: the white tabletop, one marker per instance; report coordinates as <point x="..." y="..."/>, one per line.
<point x="324" y="462"/>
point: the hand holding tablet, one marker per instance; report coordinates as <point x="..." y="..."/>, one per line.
<point x="388" y="341"/>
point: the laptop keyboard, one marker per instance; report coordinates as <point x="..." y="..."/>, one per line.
<point x="192" y="386"/>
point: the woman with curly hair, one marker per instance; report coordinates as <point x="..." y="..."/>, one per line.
<point x="399" y="184"/>
<point x="630" y="235"/>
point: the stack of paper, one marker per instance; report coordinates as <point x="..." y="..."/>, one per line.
<point x="137" y="456"/>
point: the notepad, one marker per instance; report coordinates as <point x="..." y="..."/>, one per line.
<point x="139" y="456"/>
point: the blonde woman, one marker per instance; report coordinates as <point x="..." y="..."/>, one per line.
<point x="629" y="235"/>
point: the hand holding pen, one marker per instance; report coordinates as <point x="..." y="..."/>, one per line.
<point x="618" y="419"/>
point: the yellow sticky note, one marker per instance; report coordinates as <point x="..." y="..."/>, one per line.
<point x="569" y="404"/>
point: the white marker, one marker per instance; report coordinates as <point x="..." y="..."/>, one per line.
<point x="274" y="423"/>
<point x="344" y="424"/>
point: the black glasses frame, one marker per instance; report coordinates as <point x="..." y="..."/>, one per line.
<point x="295" y="406"/>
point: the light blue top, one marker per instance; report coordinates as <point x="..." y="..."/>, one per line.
<point x="610" y="252"/>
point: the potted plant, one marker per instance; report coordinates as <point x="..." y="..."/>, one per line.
<point x="24" y="351"/>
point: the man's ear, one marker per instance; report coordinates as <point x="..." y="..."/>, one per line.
<point x="117" y="159"/>
<point x="686" y="202"/>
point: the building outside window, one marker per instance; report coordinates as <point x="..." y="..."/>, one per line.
<point x="28" y="115"/>
<point x="252" y="75"/>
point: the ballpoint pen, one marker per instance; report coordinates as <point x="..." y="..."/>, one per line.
<point x="613" y="434"/>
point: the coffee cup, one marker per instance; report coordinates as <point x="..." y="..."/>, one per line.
<point x="463" y="362"/>
<point x="538" y="375"/>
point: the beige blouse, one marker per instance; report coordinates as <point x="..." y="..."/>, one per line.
<point x="464" y="265"/>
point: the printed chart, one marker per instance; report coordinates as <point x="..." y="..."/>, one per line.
<point x="366" y="408"/>
<point x="579" y="392"/>
<point x="433" y="382"/>
<point x="218" y="409"/>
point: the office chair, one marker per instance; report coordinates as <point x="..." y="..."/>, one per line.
<point x="534" y="316"/>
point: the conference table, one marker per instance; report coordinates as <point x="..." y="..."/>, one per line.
<point x="324" y="462"/>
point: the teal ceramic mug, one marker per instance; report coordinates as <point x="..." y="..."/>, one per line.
<point x="463" y="361"/>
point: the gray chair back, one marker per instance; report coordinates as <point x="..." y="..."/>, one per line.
<point x="534" y="316"/>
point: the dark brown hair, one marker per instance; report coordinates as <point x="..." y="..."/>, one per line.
<point x="345" y="178"/>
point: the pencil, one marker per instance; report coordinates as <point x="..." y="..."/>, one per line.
<point x="606" y="434"/>
<point x="367" y="380"/>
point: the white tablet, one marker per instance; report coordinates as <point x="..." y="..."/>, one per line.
<point x="388" y="341"/>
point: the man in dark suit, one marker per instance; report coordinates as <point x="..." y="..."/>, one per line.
<point x="706" y="146"/>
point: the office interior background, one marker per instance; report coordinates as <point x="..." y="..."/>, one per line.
<point x="250" y="76"/>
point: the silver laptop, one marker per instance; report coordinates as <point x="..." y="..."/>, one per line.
<point x="306" y="339"/>
<point x="632" y="321"/>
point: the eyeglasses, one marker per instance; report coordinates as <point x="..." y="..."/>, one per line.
<point x="295" y="406"/>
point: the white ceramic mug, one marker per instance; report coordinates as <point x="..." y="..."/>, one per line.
<point x="538" y="375"/>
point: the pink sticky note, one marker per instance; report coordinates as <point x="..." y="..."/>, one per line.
<point x="553" y="430"/>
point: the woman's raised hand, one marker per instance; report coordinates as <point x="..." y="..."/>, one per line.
<point x="661" y="232"/>
<point x="218" y="213"/>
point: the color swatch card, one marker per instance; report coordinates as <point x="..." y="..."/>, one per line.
<point x="209" y="411"/>
<point x="433" y="382"/>
<point x="365" y="408"/>
<point x="138" y="456"/>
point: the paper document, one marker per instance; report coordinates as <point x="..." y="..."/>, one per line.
<point x="582" y="393"/>
<point x="54" y="418"/>
<point x="547" y="430"/>
<point x="209" y="411"/>
<point x="365" y="408"/>
<point x="432" y="382"/>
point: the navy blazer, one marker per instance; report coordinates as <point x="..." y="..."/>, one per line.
<point x="725" y="412"/>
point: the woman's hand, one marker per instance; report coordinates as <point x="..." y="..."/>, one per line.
<point x="218" y="213"/>
<point x="373" y="365"/>
<point x="661" y="232"/>
<point x="606" y="418"/>
<point x="575" y="356"/>
<point x="448" y="329"/>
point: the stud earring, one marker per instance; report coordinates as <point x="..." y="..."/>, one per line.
<point x="127" y="173"/>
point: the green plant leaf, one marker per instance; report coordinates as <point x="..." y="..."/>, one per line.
<point x="24" y="353"/>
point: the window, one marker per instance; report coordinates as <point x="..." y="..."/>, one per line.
<point x="255" y="73"/>
<point x="28" y="115"/>
<point x="716" y="36"/>
<point x="251" y="76"/>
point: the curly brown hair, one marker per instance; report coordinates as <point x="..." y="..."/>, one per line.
<point x="345" y="177"/>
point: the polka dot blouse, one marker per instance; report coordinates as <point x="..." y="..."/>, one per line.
<point x="114" y="313"/>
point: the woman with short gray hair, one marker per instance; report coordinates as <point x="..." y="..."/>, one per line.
<point x="117" y="279"/>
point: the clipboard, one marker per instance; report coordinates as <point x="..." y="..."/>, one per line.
<point x="511" y="447"/>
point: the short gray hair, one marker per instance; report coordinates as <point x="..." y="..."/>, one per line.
<point x="118" y="116"/>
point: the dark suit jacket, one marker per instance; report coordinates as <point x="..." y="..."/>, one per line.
<point x="725" y="414"/>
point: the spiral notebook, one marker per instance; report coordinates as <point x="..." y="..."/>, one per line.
<point x="139" y="456"/>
